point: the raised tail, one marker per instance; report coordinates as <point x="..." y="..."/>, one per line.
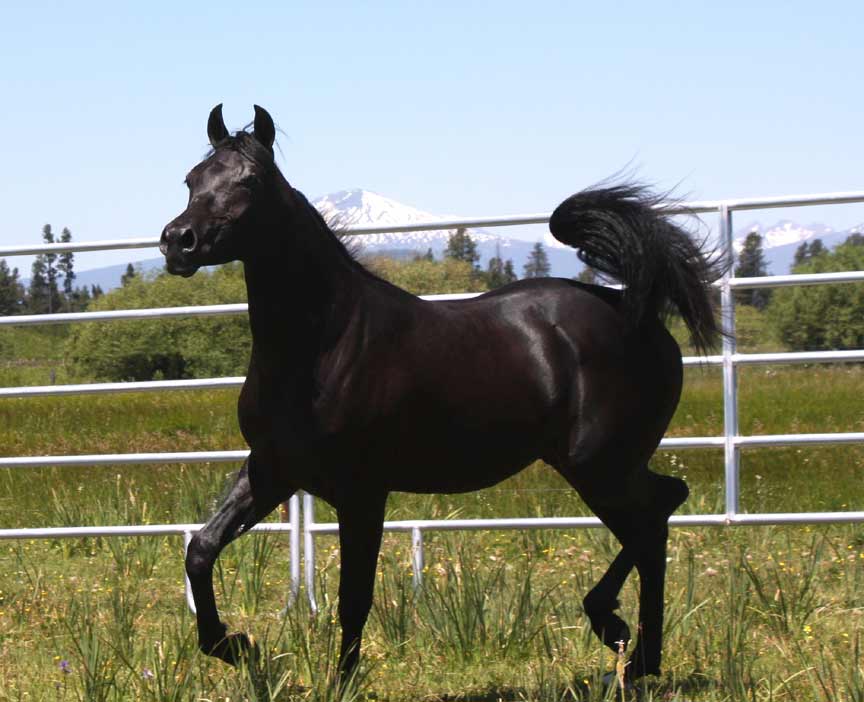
<point x="621" y="232"/>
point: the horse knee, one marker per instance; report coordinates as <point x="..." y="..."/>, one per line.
<point x="199" y="559"/>
<point x="598" y="603"/>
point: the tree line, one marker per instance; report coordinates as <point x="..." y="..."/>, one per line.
<point x="806" y="317"/>
<point x="814" y="317"/>
<point x="52" y="283"/>
<point x="498" y="272"/>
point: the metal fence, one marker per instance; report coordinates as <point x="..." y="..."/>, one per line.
<point x="731" y="441"/>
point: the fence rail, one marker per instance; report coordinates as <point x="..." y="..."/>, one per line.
<point x="730" y="442"/>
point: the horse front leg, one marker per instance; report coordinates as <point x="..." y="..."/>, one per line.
<point x="246" y="504"/>
<point x="361" y="524"/>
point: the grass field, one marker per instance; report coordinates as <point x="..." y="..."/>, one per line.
<point x="756" y="613"/>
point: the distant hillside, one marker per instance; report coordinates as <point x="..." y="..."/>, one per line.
<point x="109" y="277"/>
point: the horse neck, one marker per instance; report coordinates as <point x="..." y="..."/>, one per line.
<point x="302" y="289"/>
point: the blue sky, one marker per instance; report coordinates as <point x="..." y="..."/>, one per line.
<point x="469" y="108"/>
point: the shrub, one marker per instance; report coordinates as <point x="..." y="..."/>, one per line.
<point x="424" y="277"/>
<point x="823" y="316"/>
<point x="165" y="348"/>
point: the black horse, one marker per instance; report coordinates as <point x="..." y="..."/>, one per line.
<point x="357" y="388"/>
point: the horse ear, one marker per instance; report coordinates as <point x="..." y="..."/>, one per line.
<point x="216" y="130"/>
<point x="263" y="129"/>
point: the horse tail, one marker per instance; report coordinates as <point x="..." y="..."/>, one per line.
<point x="621" y="232"/>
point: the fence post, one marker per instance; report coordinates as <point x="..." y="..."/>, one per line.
<point x="731" y="454"/>
<point x="190" y="601"/>
<point x="294" y="520"/>
<point x="309" y="549"/>
<point x="417" y="556"/>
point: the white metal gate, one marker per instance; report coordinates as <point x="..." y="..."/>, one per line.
<point x="731" y="441"/>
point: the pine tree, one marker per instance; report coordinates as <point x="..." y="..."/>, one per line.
<point x="128" y="275"/>
<point x="50" y="260"/>
<point x="751" y="264"/>
<point x="79" y="299"/>
<point x="65" y="266"/>
<point x="96" y="292"/>
<point x="807" y="252"/>
<point x="802" y="255"/>
<point x="817" y="248"/>
<point x="461" y="247"/>
<point x="11" y="290"/>
<point x="38" y="296"/>
<point x="537" y="265"/>
<point x="509" y="272"/>
<point x="499" y="272"/>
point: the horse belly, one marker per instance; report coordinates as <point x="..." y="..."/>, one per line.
<point x="448" y="459"/>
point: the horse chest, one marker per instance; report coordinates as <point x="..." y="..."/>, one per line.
<point x="270" y="414"/>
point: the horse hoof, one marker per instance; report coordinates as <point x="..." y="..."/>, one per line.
<point x="234" y="648"/>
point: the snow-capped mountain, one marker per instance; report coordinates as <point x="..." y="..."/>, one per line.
<point x="358" y="207"/>
<point x="783" y="233"/>
<point x="780" y="241"/>
<point x="362" y="208"/>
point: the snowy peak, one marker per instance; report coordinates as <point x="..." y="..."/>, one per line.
<point x="783" y="233"/>
<point x="363" y="208"/>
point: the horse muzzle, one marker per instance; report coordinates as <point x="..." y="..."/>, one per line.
<point x="177" y="244"/>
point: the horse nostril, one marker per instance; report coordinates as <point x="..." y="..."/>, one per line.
<point x="188" y="241"/>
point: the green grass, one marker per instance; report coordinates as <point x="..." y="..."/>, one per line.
<point x="757" y="613"/>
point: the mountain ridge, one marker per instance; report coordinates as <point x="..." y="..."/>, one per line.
<point x="359" y="207"/>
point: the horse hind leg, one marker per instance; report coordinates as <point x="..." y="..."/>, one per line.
<point x="636" y="510"/>
<point x="650" y="556"/>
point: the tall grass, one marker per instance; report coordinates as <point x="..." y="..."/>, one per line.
<point x="764" y="613"/>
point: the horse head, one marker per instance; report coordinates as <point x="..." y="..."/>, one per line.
<point x="227" y="196"/>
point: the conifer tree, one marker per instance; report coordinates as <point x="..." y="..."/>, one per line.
<point x="11" y="290"/>
<point x="499" y="272"/>
<point x="79" y="300"/>
<point x="751" y="264"/>
<point x="50" y="272"/>
<point x="537" y="265"/>
<point x="65" y="266"/>
<point x="808" y="251"/>
<point x="38" y="296"/>
<point x="817" y="248"/>
<point x="128" y="275"/>
<point x="461" y="247"/>
<point x="802" y="254"/>
<point x="509" y="272"/>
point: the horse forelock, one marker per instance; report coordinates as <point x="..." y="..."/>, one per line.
<point x="246" y="144"/>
